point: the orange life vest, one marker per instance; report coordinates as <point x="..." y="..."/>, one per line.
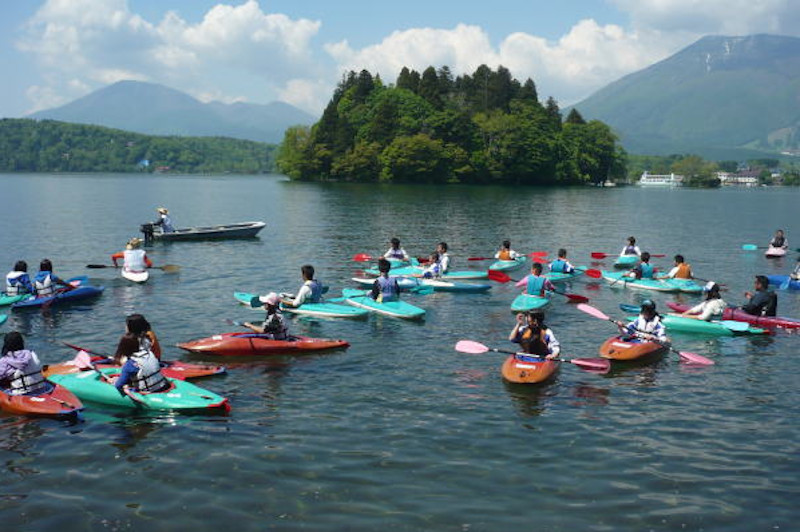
<point x="684" y="271"/>
<point x="504" y="255"/>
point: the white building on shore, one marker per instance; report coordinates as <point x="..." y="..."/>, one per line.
<point x="660" y="180"/>
<point x="741" y="179"/>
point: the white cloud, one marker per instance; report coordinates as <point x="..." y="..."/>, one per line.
<point x="311" y="94"/>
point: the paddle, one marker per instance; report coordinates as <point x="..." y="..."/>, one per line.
<point x="693" y="358"/>
<point x="735" y="326"/>
<point x="599" y="255"/>
<point x="237" y="323"/>
<point x="598" y="365"/>
<point x="501" y="277"/>
<point x="167" y="268"/>
<point x="363" y="257"/>
<point x="83" y="360"/>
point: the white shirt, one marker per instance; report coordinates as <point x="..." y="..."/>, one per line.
<point x="444" y="263"/>
<point x="134" y="260"/>
<point x="710" y="308"/>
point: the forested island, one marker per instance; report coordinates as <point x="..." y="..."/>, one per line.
<point x="433" y="128"/>
<point x="49" y="146"/>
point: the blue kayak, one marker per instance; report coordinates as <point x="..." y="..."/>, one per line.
<point x="68" y="296"/>
<point x="525" y="302"/>
<point x="781" y="280"/>
<point x="318" y="310"/>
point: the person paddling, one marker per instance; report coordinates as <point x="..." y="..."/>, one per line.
<point x="385" y="288"/>
<point x="274" y="325"/>
<point x="561" y="264"/>
<point x="505" y="252"/>
<point x="779" y="240"/>
<point x="44" y="283"/>
<point x="20" y="369"/>
<point x="18" y="282"/>
<point x="533" y="336"/>
<point x="795" y="275"/>
<point x="631" y="248"/>
<point x="310" y="291"/>
<point x="712" y="308"/>
<point x="535" y="284"/>
<point x="138" y="325"/>
<point x="647" y="324"/>
<point x="164" y="220"/>
<point x="141" y="370"/>
<point x="681" y="270"/>
<point x="444" y="258"/>
<point x="134" y="258"/>
<point x="434" y="269"/>
<point x="396" y="252"/>
<point x="762" y="302"/>
<point x="643" y="270"/>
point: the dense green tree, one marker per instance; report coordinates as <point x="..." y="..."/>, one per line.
<point x="429" y="87"/>
<point x="417" y="158"/>
<point x="574" y="117"/>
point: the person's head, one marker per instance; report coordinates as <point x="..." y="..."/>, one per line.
<point x="45" y="266"/>
<point x="441" y="248"/>
<point x="162" y="210"/>
<point x="711" y="289"/>
<point x="562" y="253"/>
<point x="648" y="309"/>
<point x="395" y="243"/>
<point x="631" y="241"/>
<point x="127" y="346"/>
<point x="536" y="268"/>
<point x="506" y="244"/>
<point x="20" y="266"/>
<point x="779" y="232"/>
<point x="13" y="342"/>
<point x="270" y="300"/>
<point x="434" y="258"/>
<point x="384" y="265"/>
<point x="645" y="256"/>
<point x="535" y="319"/>
<point x="137" y="324"/>
<point x="679" y="259"/>
<point x="133" y="243"/>
<point x="761" y="282"/>
<point x="307" y="271"/>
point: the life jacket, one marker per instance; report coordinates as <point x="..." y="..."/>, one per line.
<point x="134" y="260"/>
<point x="388" y="288"/>
<point x="274" y="326"/>
<point x="28" y="380"/>
<point x="536" y="285"/>
<point x="558" y="266"/>
<point x="644" y="271"/>
<point x="778" y="241"/>
<point x="629" y="250"/>
<point x="395" y="253"/>
<point x="505" y="254"/>
<point x="149" y="342"/>
<point x="684" y="271"/>
<point x="149" y="377"/>
<point x="316" y="291"/>
<point x="43" y="284"/>
<point x="17" y="283"/>
<point x="534" y="346"/>
<point x="434" y="270"/>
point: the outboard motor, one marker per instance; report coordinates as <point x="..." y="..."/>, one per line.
<point x="147" y="229"/>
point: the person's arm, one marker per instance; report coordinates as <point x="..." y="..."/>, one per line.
<point x="406" y="256"/>
<point x="569" y="268"/>
<point x="253" y="327"/>
<point x="552" y="344"/>
<point x="514" y="335"/>
<point x="147" y="261"/>
<point x="128" y="370"/>
<point x="549" y="286"/>
<point x="522" y="282"/>
<point x="117" y="256"/>
<point x="669" y="275"/>
<point x="697" y="309"/>
<point x="301" y="296"/>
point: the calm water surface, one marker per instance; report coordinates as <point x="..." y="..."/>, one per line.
<point x="400" y="431"/>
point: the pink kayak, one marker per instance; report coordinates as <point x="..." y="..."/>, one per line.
<point x="738" y="314"/>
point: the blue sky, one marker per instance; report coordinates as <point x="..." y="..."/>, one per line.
<point x="53" y="51"/>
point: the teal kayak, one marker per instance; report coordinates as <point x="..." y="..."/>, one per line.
<point x="10" y="300"/>
<point x="508" y="265"/>
<point x="406" y="283"/>
<point x="319" y="310"/>
<point x="416" y="271"/>
<point x="687" y="286"/>
<point x="618" y="279"/>
<point x="525" y="302"/>
<point x="395" y="309"/>
<point x="626" y="261"/>
<point x="181" y="396"/>
<point x="559" y="277"/>
<point x="716" y="328"/>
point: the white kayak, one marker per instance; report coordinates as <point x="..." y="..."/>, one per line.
<point x="136" y="277"/>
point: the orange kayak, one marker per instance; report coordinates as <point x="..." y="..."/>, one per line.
<point x="526" y="369"/>
<point x="57" y="402"/>
<point x="624" y="348"/>
<point x="253" y="344"/>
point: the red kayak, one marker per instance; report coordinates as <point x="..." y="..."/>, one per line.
<point x="738" y="314"/>
<point x="174" y="369"/>
<point x="253" y="344"/>
<point x="56" y="402"/>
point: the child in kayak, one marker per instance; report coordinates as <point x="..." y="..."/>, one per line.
<point x="795" y="275"/>
<point x="44" y="283"/>
<point x="274" y="326"/>
<point x="710" y="309"/>
<point x="631" y="248"/>
<point x="164" y="220"/>
<point x="647" y="324"/>
<point x="138" y="325"/>
<point x="505" y="252"/>
<point x="141" y="370"/>
<point x="762" y="302"/>
<point x="396" y="252"/>
<point x="681" y="270"/>
<point x="134" y="258"/>
<point x="444" y="258"/>
<point x="533" y="336"/>
<point x="643" y="270"/>
<point x="310" y="291"/>
<point x="434" y="269"/>
<point x="779" y="240"/>
<point x="561" y="264"/>
<point x="385" y="288"/>
<point x="534" y="283"/>
<point x="18" y="282"/>
<point x="20" y="369"/>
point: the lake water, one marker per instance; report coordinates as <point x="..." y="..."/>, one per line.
<point x="400" y="431"/>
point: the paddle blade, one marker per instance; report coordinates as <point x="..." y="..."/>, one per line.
<point x="576" y="298"/>
<point x="658" y="255"/>
<point x="537" y="254"/>
<point x="736" y="326"/>
<point x="500" y="277"/>
<point x="362" y="257"/>
<point x="99" y="266"/>
<point x="749" y="247"/>
<point x="694" y="358"/>
<point x="597" y="365"/>
<point x="478" y="258"/>
<point x="598" y="255"/>
<point x="170" y="268"/>
<point x="232" y="322"/>
<point x="423" y="260"/>
<point x="590" y="310"/>
<point x="629" y="308"/>
<point x="82" y="360"/>
<point x="468" y="346"/>
<point x="540" y="260"/>
<point x="594" y="274"/>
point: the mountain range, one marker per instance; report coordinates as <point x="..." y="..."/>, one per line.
<point x="154" y="109"/>
<point x="721" y="97"/>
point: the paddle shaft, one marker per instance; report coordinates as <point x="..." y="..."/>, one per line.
<point x="583" y="364"/>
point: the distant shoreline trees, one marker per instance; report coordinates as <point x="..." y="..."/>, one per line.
<point x="433" y="128"/>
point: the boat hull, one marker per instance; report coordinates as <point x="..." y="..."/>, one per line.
<point x="239" y="230"/>
<point x="525" y="302"/>
<point x="740" y="315"/>
<point x="76" y="294"/>
<point x="623" y="349"/>
<point x="525" y="369"/>
<point x="251" y="344"/>
<point x="57" y="402"/>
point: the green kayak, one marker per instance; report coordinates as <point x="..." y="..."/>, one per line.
<point x="626" y="261"/>
<point x="416" y="271"/>
<point x="10" y="300"/>
<point x="319" y="310"/>
<point x="525" y="302"/>
<point x="687" y="286"/>
<point x="508" y="265"/>
<point x="618" y="279"/>
<point x="181" y="396"/>
<point x="395" y="309"/>
<point x="717" y="328"/>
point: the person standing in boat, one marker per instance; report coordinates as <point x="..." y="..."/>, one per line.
<point x="762" y="302"/>
<point x="20" y="369"/>
<point x="779" y="240"/>
<point x="44" y="283"/>
<point x="561" y="264"/>
<point x="134" y="258"/>
<point x="712" y="308"/>
<point x="395" y="252"/>
<point x="505" y="252"/>
<point x="385" y="288"/>
<point x="310" y="291"/>
<point x="533" y="336"/>
<point x="18" y="282"/>
<point x="274" y="325"/>
<point x="647" y="325"/>
<point x="164" y="220"/>
<point x="141" y="370"/>
<point x="681" y="270"/>
<point x="631" y="248"/>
